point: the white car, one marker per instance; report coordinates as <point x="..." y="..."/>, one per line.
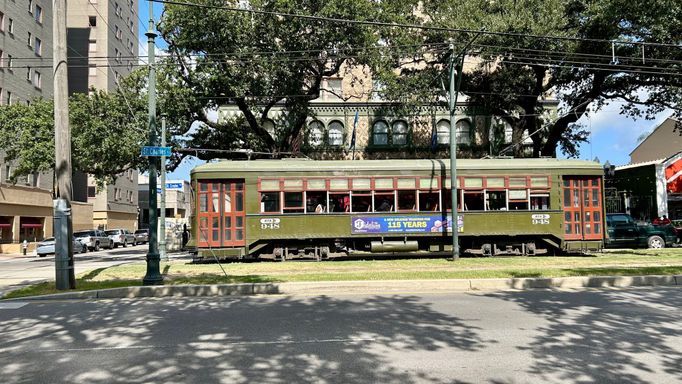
<point x="46" y="247"/>
<point x="121" y="237"/>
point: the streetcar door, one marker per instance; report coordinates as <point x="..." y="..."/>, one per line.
<point x="221" y="213"/>
<point x="582" y="208"/>
<point x="233" y="213"/>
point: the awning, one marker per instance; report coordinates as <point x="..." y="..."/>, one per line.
<point x="31" y="222"/>
<point x="5" y="222"/>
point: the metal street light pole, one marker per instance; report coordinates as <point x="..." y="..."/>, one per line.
<point x="453" y="153"/>
<point x="153" y="275"/>
<point x="454" y="91"/>
<point x="162" y="224"/>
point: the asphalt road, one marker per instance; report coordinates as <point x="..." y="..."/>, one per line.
<point x="588" y="336"/>
<point x="18" y="271"/>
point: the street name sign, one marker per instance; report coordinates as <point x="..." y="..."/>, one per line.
<point x="156" y="151"/>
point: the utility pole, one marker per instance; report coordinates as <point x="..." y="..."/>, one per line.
<point x="63" y="226"/>
<point x="153" y="275"/>
<point x="454" y="91"/>
<point x="453" y="152"/>
<point x="162" y="225"/>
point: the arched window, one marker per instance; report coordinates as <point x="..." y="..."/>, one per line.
<point x="443" y="132"/>
<point x="399" y="136"/>
<point x="269" y="126"/>
<point x="335" y="133"/>
<point x="463" y="132"/>
<point x="316" y="135"/>
<point x="380" y="133"/>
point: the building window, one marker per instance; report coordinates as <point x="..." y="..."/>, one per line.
<point x="39" y="47"/>
<point x="400" y="129"/>
<point x="37" y="80"/>
<point x="92" y="191"/>
<point x="119" y="33"/>
<point x="39" y="14"/>
<point x="8" y="171"/>
<point x="443" y="132"/>
<point x="380" y="133"/>
<point x="2" y="22"/>
<point x="333" y="90"/>
<point x="316" y="134"/>
<point x="10" y="26"/>
<point x="92" y="46"/>
<point x="92" y="21"/>
<point x="9" y="62"/>
<point x="28" y="74"/>
<point x="335" y="132"/>
<point x="92" y="71"/>
<point x="30" y="40"/>
<point x="9" y="98"/>
<point x="463" y="132"/>
<point x="30" y="6"/>
<point x="2" y="61"/>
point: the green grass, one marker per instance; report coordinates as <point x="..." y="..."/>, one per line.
<point x="622" y="263"/>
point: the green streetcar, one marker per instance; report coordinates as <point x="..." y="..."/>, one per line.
<point x="296" y="208"/>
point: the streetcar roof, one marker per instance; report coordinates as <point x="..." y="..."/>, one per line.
<point x="299" y="165"/>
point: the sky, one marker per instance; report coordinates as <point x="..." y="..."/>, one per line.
<point x="612" y="137"/>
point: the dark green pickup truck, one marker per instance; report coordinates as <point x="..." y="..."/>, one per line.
<point x="624" y="232"/>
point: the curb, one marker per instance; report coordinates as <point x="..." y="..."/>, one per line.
<point x="366" y="287"/>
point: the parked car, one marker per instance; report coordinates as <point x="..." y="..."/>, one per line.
<point x="121" y="237"/>
<point x="94" y="239"/>
<point x="46" y="247"/>
<point x="623" y="231"/>
<point x="142" y="236"/>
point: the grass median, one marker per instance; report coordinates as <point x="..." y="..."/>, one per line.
<point x="620" y="263"/>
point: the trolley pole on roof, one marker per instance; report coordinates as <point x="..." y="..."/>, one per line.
<point x="153" y="275"/>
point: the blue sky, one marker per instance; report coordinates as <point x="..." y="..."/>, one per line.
<point x="613" y="136"/>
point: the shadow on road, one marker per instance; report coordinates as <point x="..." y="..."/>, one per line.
<point x="602" y="336"/>
<point x="228" y="340"/>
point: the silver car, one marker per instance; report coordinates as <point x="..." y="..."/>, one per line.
<point x="142" y="236"/>
<point x="121" y="237"/>
<point x="46" y="247"/>
<point x="94" y="239"/>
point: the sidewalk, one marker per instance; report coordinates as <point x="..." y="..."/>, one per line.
<point x="368" y="287"/>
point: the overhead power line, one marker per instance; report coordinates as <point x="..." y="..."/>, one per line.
<point x="410" y="26"/>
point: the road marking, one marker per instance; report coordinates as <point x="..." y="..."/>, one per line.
<point x="12" y="304"/>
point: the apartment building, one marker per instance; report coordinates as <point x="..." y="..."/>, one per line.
<point x="103" y="47"/>
<point x="25" y="74"/>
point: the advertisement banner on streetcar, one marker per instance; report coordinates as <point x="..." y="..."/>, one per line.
<point x="403" y="224"/>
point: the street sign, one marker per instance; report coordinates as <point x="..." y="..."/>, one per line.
<point x="156" y="151"/>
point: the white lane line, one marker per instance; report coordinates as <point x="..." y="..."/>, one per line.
<point x="133" y="347"/>
<point x="12" y="304"/>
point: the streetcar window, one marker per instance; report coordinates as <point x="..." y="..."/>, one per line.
<point x="447" y="199"/>
<point x="362" y="184"/>
<point x="293" y="202"/>
<point x="338" y="184"/>
<point x="518" y="205"/>
<point x="339" y="202"/>
<point x="428" y="202"/>
<point x="316" y="201"/>
<point x="293" y="184"/>
<point x="361" y="201"/>
<point x="407" y="200"/>
<point x="496" y="200"/>
<point x="495" y="182"/>
<point x="269" y="202"/>
<point x="473" y="201"/>
<point x="269" y="185"/>
<point x="383" y="183"/>
<point x="515" y="182"/>
<point x="317" y="184"/>
<point x="203" y="202"/>
<point x="430" y="183"/>
<point x="384" y="202"/>
<point x="539" y="202"/>
<point x="567" y="197"/>
<point x="539" y="181"/>
<point x="473" y="182"/>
